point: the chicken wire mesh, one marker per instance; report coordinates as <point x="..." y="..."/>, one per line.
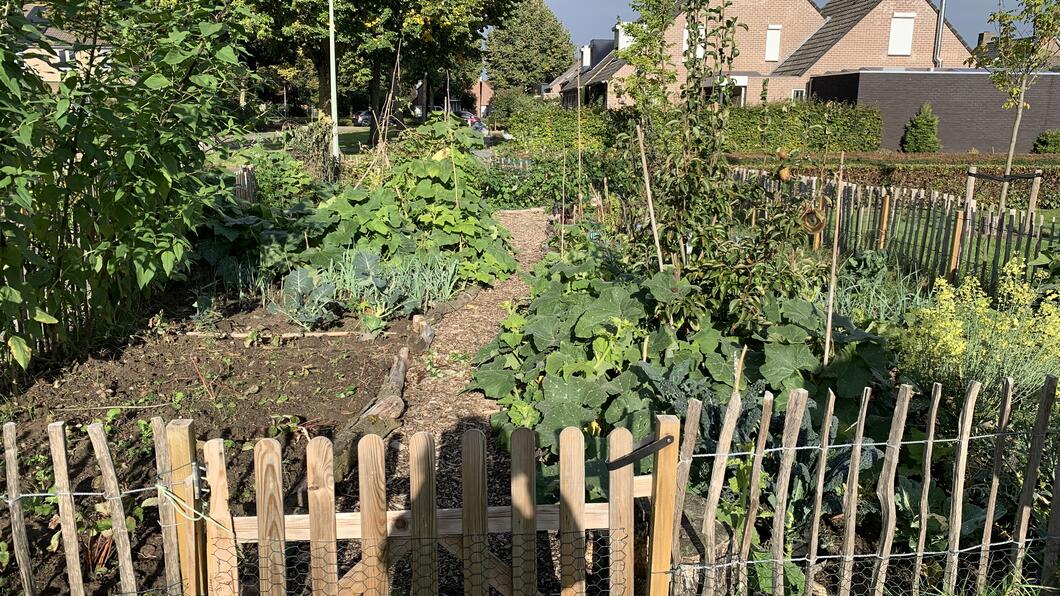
<point x="588" y="562"/>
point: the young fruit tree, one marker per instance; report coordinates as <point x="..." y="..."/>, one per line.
<point x="1026" y="42"/>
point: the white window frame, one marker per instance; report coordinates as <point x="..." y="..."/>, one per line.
<point x="700" y="52"/>
<point x="798" y="95"/>
<point x="773" y="34"/>
<point x="903" y="28"/>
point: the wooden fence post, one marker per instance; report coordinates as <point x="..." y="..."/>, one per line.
<point x="323" y="549"/>
<point x="620" y="514"/>
<point x="1030" y="477"/>
<point x="191" y="535"/>
<point x="885" y="220"/>
<point x="67" y="509"/>
<point x="717" y="483"/>
<point x="664" y="495"/>
<point x="1050" y="577"/>
<point x="571" y="510"/>
<point x="20" y="542"/>
<point x="371" y="471"/>
<point x="955" y="249"/>
<point x="755" y="495"/>
<point x="995" y="481"/>
<point x="167" y="517"/>
<point x="684" y="468"/>
<point x="969" y="187"/>
<point x="475" y="539"/>
<point x="818" y="493"/>
<point x="272" y="542"/>
<point x="112" y="494"/>
<point x="1032" y="205"/>
<point x="222" y="552"/>
<point x="792" y="424"/>
<point x="960" y="470"/>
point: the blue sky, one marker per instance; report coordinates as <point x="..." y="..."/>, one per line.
<point x="589" y="19"/>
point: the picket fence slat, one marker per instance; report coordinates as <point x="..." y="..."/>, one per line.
<point x="689" y="436"/>
<point x="572" y="502"/>
<point x="885" y="489"/>
<point x="929" y="451"/>
<point x="663" y="495"/>
<point x="476" y="524"/>
<point x="222" y="561"/>
<point x="818" y="492"/>
<point x="796" y="409"/>
<point x="524" y="509"/>
<point x="717" y="483"/>
<point x="112" y="495"/>
<point x="272" y="545"/>
<point x="620" y="510"/>
<point x="371" y="470"/>
<point x="167" y="516"/>
<point x="1030" y="476"/>
<point x="960" y="468"/>
<point x="995" y="483"/>
<point x="67" y="510"/>
<point x="425" y="512"/>
<point x="1050" y="576"/>
<point x="320" y="488"/>
<point x="19" y="540"/>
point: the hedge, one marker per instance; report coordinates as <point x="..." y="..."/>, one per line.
<point x="945" y="173"/>
<point x="804" y="126"/>
<point x="544" y="127"/>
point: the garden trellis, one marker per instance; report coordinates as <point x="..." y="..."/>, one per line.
<point x="568" y="545"/>
<point x="936" y="235"/>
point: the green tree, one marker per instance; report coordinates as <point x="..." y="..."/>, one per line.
<point x="922" y="132"/>
<point x="529" y="48"/>
<point x="1020" y="52"/>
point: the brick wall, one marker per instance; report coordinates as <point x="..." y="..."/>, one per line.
<point x="968" y="107"/>
<point x="865" y="46"/>
<point x="798" y="20"/>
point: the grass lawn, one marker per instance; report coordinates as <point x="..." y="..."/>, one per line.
<point x="351" y="138"/>
<point x="1049" y="214"/>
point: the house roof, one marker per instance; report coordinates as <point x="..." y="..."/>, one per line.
<point x="36" y="14"/>
<point x="567" y="75"/>
<point x="840" y="17"/>
<point x="601" y="73"/>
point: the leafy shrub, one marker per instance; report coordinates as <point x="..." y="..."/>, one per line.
<point x="506" y="103"/>
<point x="105" y="172"/>
<point x="875" y="294"/>
<point x="922" y="132"/>
<point x="961" y="337"/>
<point x="1048" y="142"/>
<point x="311" y="144"/>
<point x="544" y="127"/>
<point x="804" y="126"/>
<point x="306" y="302"/>
<point x="282" y="181"/>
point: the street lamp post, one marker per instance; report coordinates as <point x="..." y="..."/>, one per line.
<point x="334" y="83"/>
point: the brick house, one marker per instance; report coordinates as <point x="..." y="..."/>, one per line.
<point x="67" y="51"/>
<point x="790" y="41"/>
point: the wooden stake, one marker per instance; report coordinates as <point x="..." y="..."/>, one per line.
<point x="885" y="220"/>
<point x="475" y="539"/>
<point x="664" y="494"/>
<point x="320" y="480"/>
<point x="955" y="249"/>
<point x="1050" y="577"/>
<point x="112" y="494"/>
<point x="524" y="519"/>
<point x="833" y="279"/>
<point x="67" y="509"/>
<point x="818" y="494"/>
<point x="425" y="512"/>
<point x="647" y="191"/>
<point x="620" y="513"/>
<point x="191" y="535"/>
<point x="717" y="483"/>
<point x="1030" y="477"/>
<point x="929" y="449"/>
<point x="850" y="504"/>
<point x="1032" y="206"/>
<point x="272" y="543"/>
<point x="167" y="517"/>
<point x="755" y="494"/>
<point x="571" y="510"/>
<point x="371" y="470"/>
<point x="995" y="480"/>
<point x="885" y="489"/>
<point x="960" y="470"/>
<point x="20" y="542"/>
<point x="222" y="560"/>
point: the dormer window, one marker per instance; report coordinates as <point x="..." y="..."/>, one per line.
<point x="901" y="43"/>
<point x="773" y="43"/>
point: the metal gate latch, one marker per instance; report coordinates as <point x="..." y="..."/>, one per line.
<point x="639" y="452"/>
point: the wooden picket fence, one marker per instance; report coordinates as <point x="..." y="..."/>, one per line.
<point x="593" y="548"/>
<point x="936" y="235"/>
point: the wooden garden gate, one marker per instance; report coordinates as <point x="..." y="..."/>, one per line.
<point x="214" y="547"/>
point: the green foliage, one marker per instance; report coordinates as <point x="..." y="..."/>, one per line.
<point x="282" y="181"/>
<point x="922" y="132"/>
<point x="306" y="302"/>
<point x="1022" y="48"/>
<point x="529" y="48"/>
<point x="508" y="102"/>
<point x="512" y="188"/>
<point x="105" y="174"/>
<point x="806" y="126"/>
<point x="1048" y="142"/>
<point x="544" y="127"/>
<point x="312" y="146"/>
<point x="872" y="292"/>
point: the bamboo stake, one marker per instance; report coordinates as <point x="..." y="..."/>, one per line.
<point x="818" y="494"/>
<point x="850" y="504"/>
<point x="929" y="448"/>
<point x="20" y="542"/>
<point x="756" y="493"/>
<point x="995" y="481"/>
<point x="960" y="470"/>
<point x="833" y="279"/>
<point x="647" y="191"/>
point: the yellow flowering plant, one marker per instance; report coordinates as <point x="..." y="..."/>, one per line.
<point x="964" y="336"/>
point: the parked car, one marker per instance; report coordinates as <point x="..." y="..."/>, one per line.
<point x="362" y="118"/>
<point x="467" y="116"/>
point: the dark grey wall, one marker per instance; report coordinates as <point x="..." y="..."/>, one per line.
<point x="968" y="107"/>
<point x="842" y="87"/>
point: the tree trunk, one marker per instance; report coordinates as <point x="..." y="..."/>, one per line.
<point x="323" y="65"/>
<point x="1012" y="144"/>
<point x="375" y="103"/>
